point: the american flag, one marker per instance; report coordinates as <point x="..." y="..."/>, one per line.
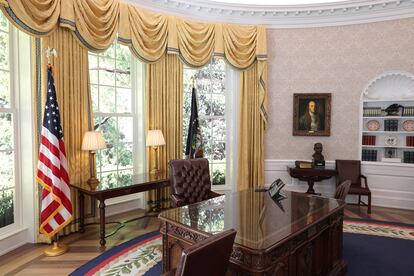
<point x="52" y="170"/>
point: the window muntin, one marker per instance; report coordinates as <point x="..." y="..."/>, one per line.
<point x="211" y="99"/>
<point x="7" y="130"/>
<point x="114" y="107"/>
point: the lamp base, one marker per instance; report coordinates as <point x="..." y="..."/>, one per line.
<point x="93" y="182"/>
<point x="56" y="250"/>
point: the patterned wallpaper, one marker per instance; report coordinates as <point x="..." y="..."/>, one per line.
<point x="339" y="60"/>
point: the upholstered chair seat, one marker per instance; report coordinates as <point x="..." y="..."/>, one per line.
<point x="190" y="181"/>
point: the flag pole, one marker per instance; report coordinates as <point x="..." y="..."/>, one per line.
<point x="55" y="249"/>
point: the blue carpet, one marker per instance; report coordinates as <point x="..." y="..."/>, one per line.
<point x="379" y="256"/>
<point x="364" y="254"/>
<point x="86" y="268"/>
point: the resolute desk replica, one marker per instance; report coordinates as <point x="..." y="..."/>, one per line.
<point x="300" y="235"/>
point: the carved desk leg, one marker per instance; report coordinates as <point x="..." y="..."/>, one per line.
<point x="81" y="212"/>
<point x="102" y="222"/>
<point x="165" y="257"/>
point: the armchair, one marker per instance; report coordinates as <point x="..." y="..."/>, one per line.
<point x="190" y="181"/>
<point x="342" y="190"/>
<point x="351" y="170"/>
<point x="207" y="257"/>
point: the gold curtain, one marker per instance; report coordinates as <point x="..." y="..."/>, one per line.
<point x="94" y="22"/>
<point x="38" y="17"/>
<point x="145" y="33"/>
<point x="164" y="104"/>
<point x="196" y="42"/>
<point x="150" y="35"/>
<point x="251" y="128"/>
<point x="71" y="74"/>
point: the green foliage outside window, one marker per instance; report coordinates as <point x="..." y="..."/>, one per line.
<point x="6" y="208"/>
<point x="210" y="89"/>
<point x="110" y="74"/>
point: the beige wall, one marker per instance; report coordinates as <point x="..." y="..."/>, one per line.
<point x="338" y="60"/>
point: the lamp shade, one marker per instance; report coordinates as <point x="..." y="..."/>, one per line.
<point x="155" y="138"/>
<point x="93" y="140"/>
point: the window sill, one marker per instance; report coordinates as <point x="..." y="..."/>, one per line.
<point x="11" y="231"/>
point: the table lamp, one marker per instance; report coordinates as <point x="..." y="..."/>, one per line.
<point x="92" y="141"/>
<point x="154" y="140"/>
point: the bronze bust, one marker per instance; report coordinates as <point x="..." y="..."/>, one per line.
<point x="317" y="158"/>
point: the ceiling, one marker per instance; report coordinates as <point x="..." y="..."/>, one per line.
<point x="276" y="2"/>
<point x="284" y="13"/>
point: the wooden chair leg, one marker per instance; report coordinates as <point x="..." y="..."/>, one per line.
<point x="369" y="204"/>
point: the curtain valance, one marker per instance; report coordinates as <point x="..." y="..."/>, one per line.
<point x="148" y="34"/>
<point x="93" y="22"/>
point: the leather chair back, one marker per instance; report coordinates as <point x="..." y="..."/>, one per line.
<point x="342" y="190"/>
<point x="349" y="170"/>
<point x="208" y="257"/>
<point x="190" y="179"/>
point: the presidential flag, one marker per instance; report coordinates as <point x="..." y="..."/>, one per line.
<point x="52" y="169"/>
<point x="194" y="145"/>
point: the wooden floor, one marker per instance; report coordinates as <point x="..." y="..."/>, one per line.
<point x="29" y="259"/>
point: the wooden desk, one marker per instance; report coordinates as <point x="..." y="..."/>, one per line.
<point x="303" y="236"/>
<point x="311" y="176"/>
<point x="109" y="189"/>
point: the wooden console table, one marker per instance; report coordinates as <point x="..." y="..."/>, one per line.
<point x="311" y="176"/>
<point x="303" y="237"/>
<point x="136" y="184"/>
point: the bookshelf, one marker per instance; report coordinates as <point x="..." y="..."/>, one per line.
<point x="386" y="138"/>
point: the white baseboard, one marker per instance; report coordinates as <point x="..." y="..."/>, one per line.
<point x="391" y="185"/>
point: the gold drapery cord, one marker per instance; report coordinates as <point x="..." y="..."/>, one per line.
<point x="74" y="105"/>
<point x="164" y="108"/>
<point x="251" y="128"/>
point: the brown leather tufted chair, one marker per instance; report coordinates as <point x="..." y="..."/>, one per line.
<point x="190" y="181"/>
<point x="351" y="170"/>
<point x="207" y="257"/>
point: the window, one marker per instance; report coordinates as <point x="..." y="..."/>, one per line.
<point x="112" y="77"/>
<point x="211" y="98"/>
<point x="8" y="128"/>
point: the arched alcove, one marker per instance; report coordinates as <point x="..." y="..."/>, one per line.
<point x="388" y="136"/>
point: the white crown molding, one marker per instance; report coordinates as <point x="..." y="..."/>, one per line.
<point x="296" y="16"/>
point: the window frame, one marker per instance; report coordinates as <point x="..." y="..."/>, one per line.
<point x="231" y="114"/>
<point x="138" y="136"/>
<point x="13" y="71"/>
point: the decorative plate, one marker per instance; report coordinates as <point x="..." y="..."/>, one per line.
<point x="373" y="125"/>
<point x="391" y="141"/>
<point x="408" y="125"/>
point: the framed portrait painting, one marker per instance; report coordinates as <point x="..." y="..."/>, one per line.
<point x="312" y="114"/>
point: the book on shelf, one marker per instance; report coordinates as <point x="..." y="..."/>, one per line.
<point x="408" y="111"/>
<point x="390" y="125"/>
<point x="369" y="140"/>
<point x="369" y="155"/>
<point x="410" y="141"/>
<point x="372" y="112"/>
<point x="409" y="157"/>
